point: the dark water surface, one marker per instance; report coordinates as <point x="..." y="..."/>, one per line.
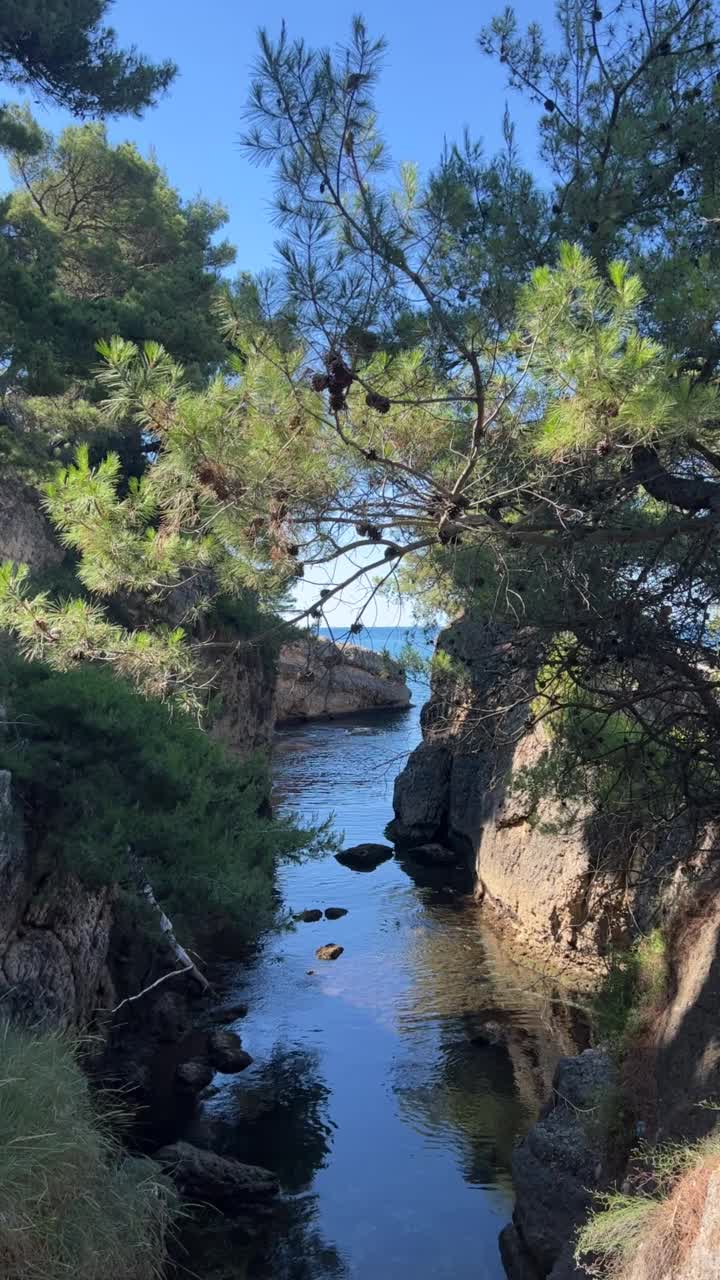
<point x="381" y="1091"/>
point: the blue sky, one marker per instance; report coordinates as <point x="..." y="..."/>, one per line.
<point x="436" y="81"/>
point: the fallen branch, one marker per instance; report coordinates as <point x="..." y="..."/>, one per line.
<point x="173" y="974"/>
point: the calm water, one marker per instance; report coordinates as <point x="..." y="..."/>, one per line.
<point x="376" y="1092"/>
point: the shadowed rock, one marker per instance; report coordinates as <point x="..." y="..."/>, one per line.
<point x="194" y="1075"/>
<point x="364" y="857"/>
<point x="226" y="1052"/>
<point x="335" y="913"/>
<point x="219" y="1180"/>
<point x="309" y="917"/>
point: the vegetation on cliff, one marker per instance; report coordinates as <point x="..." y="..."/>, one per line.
<point x="119" y="791"/>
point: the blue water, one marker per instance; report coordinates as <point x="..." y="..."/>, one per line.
<point x="376" y="1094"/>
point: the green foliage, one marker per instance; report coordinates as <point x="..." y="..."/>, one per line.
<point x="651" y="1214"/>
<point x="61" y="50"/>
<point x="102" y="771"/>
<point x="635" y="985"/>
<point x="614" y="1231"/>
<point x="73" y="1205"/>
<point x="97" y="242"/>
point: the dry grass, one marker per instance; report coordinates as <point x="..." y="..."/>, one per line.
<point x="648" y="1235"/>
<point x="70" y="1205"/>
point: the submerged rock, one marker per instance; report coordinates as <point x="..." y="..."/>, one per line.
<point x="364" y="857"/>
<point x="309" y="917"/>
<point x="194" y="1075"/>
<point x="331" y="951"/>
<point x="226" y="1052"/>
<point x="433" y="855"/>
<point x="218" y="1180"/>
<point x="335" y="913"/>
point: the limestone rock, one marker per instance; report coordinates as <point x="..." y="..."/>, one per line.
<point x="320" y="680"/>
<point x="226" y="1052"/>
<point x="331" y="951"/>
<point x="203" y="1176"/>
<point x="364" y="857"/>
<point x="420" y="797"/>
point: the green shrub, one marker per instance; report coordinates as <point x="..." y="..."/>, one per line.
<point x="635" y="984"/>
<point x="71" y="1206"/>
<point x="101" y="770"/>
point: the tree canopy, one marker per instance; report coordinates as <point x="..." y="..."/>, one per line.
<point x="61" y="50"/>
<point x="499" y="392"/>
<point x="96" y="242"/>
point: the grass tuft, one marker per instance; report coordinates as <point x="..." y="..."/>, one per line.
<point x="71" y="1205"/>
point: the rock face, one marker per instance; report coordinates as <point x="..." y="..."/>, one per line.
<point x="25" y="535"/>
<point x="571" y="893"/>
<point x="54" y="936"/>
<point x="226" y="1052"/>
<point x="320" y="680"/>
<point x="555" y="1169"/>
<point x="244" y="686"/>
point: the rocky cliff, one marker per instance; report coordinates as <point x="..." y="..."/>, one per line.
<point x="320" y="680"/>
<point x="664" y="1090"/>
<point x="572" y="893"/>
<point x="54" y="936"/>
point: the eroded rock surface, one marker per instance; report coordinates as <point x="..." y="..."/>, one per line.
<point x="204" y="1177"/>
<point x="320" y="680"/>
<point x="558" y="1165"/>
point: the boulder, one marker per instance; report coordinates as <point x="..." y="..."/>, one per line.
<point x="433" y="855"/>
<point x="226" y="1053"/>
<point x="212" y="1179"/>
<point x="331" y="951"/>
<point x="231" y="1013"/>
<point x="365" y="857"/>
<point x="514" y="1256"/>
<point x="309" y="917"/>
<point x="194" y="1075"/>
<point x="318" y="680"/>
<point x="335" y="913"/>
<point x="557" y="1166"/>
<point x="420" y="797"/>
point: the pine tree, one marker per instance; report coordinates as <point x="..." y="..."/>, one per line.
<point x="60" y="50"/>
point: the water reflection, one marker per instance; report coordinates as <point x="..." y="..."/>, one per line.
<point x="388" y="1087"/>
